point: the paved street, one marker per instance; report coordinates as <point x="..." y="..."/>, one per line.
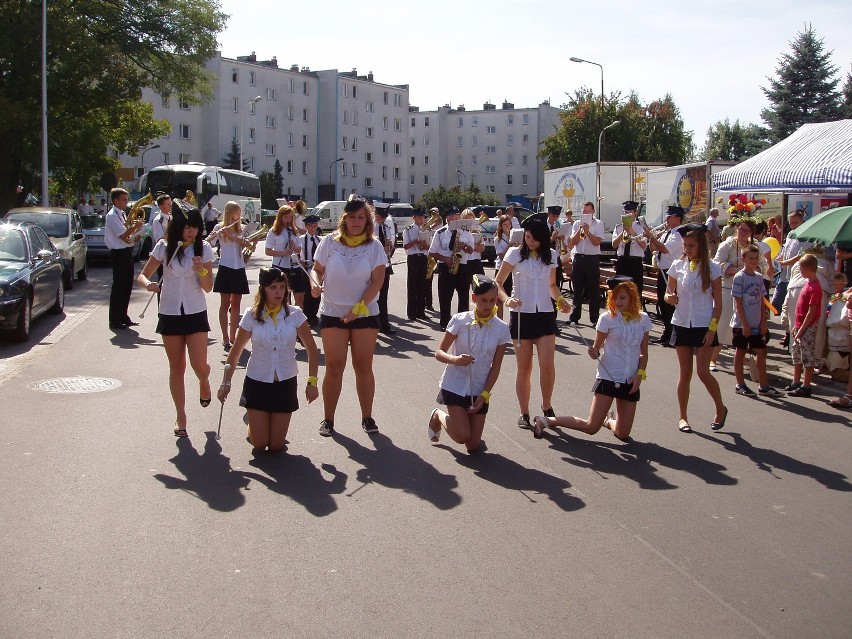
<point x="112" y="528"/>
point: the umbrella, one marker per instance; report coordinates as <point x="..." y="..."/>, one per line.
<point x="832" y="227"/>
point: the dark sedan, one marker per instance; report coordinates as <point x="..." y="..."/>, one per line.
<point x="30" y="278"/>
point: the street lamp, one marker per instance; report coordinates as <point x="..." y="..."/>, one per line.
<point x="254" y="100"/>
<point x="156" y="146"/>
<point x="574" y="59"/>
<point x="600" y="139"/>
<point x="464" y="177"/>
<point x="331" y="179"/>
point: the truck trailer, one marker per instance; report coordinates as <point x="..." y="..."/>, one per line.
<point x="686" y="185"/>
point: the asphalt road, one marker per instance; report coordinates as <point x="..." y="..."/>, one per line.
<point x="109" y="527"/>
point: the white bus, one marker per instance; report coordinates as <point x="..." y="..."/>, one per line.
<point x="209" y="183"/>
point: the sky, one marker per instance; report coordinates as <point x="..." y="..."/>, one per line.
<point x="713" y="57"/>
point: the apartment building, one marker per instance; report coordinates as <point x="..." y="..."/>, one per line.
<point x="495" y="148"/>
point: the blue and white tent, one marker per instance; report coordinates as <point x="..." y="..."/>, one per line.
<point x="817" y="157"/>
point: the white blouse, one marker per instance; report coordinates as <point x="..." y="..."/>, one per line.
<point x="273" y="347"/>
<point x="287" y="239"/>
<point x="531" y="281"/>
<point x="500" y="246"/>
<point x="180" y="284"/>
<point x="620" y="358"/>
<point x="230" y="251"/>
<point x="347" y="274"/>
<point x="694" y="305"/>
<point x="476" y="340"/>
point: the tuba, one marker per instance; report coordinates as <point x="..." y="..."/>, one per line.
<point x="136" y="210"/>
<point x="254" y="238"/>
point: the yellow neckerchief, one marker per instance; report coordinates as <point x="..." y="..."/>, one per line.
<point x="187" y="243"/>
<point x="273" y="311"/>
<point x="693" y="265"/>
<point x="483" y="321"/>
<point x="533" y="254"/>
<point x="627" y="317"/>
<point x="353" y="240"/>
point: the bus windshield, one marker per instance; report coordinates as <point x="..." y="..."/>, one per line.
<point x="175" y="183"/>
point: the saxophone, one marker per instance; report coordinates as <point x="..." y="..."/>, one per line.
<point x="457" y="254"/>
<point x="253" y="238"/>
<point x="434" y="221"/>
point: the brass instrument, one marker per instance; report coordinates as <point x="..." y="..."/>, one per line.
<point x="253" y="238"/>
<point x="435" y="220"/>
<point x="457" y="254"/>
<point x="190" y="199"/>
<point x="136" y="215"/>
<point x="483" y="218"/>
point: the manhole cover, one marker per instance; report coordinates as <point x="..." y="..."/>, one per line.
<point x="76" y="385"/>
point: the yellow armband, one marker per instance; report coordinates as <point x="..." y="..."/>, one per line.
<point x="486" y="396"/>
<point x="714" y="325"/>
<point x="360" y="309"/>
<point x="203" y="272"/>
<point x="313" y="380"/>
<point x="641" y="374"/>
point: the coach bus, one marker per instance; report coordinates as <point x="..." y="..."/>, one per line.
<point x="209" y="183"/>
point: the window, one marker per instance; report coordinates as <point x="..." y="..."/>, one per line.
<point x="345" y="142"/>
<point x="474" y="160"/>
<point x="251" y="78"/>
<point x="270" y="94"/>
<point x="426" y="160"/>
<point x="461" y="122"/>
<point x="369" y="131"/>
<point x="270" y="121"/>
<point x="235" y="76"/>
<point x="411" y="161"/>
<point x="510" y="159"/>
<point x="184" y="132"/>
<point x="345" y="90"/>
<point x="304" y="115"/>
<point x="270" y="149"/>
<point x="343" y="168"/>
<point x="346" y="117"/>
<point x="460" y="141"/>
<point x="475" y="121"/>
<point x="354" y="92"/>
<point x="426" y="121"/>
<point x="459" y="179"/>
<point x="426" y="179"/>
<point x="524" y="180"/>
<point x="289" y="139"/>
<point x="412" y="122"/>
<point x="251" y="136"/>
<point x="397" y="100"/>
<point x="183" y="103"/>
<point x="250" y="163"/>
<point x="473" y="141"/>
<point x="252" y="107"/>
<point x="385" y="123"/>
<point x="491" y="130"/>
<point x="165" y="158"/>
<point x="235" y="105"/>
<point x="368" y="183"/>
<point x="397" y="149"/>
<point x="459" y="161"/>
<point x="490" y="149"/>
<point x="510" y="140"/>
<point x="411" y="180"/>
<point x="524" y="160"/>
<point x="369" y="107"/>
<point x="384" y="173"/>
<point x="384" y="147"/>
<point x="354" y="170"/>
<point x="490" y="188"/>
<point x="509" y="180"/>
<point x="292" y="85"/>
<point x="425" y="140"/>
<point x="289" y="166"/>
<point x="354" y="117"/>
<point x="525" y="139"/>
<point x="184" y="158"/>
<point x="491" y="169"/>
<point x="510" y="119"/>
<point x="526" y="118"/>
<point x="412" y="142"/>
<point x="305" y="88"/>
<point x="235" y="133"/>
<point x="304" y="141"/>
<point x="368" y="157"/>
<point x="354" y="144"/>
<point x="165" y="102"/>
<point x="386" y="97"/>
<point x="304" y="168"/>
<point x="396" y="173"/>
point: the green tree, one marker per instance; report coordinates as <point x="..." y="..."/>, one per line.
<point x="445" y="198"/>
<point x="232" y="159"/>
<point x="100" y="55"/>
<point x="278" y="179"/>
<point x="267" y="191"/>
<point x="805" y="90"/>
<point x="847" y="96"/>
<point x="726" y="141"/>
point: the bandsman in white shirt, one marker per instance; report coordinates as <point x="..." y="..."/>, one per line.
<point x="630" y="245"/>
<point x="451" y="247"/>
<point x="668" y="248"/>
<point x="307" y="247"/>
<point x="417" y="255"/>
<point x="119" y="240"/>
<point x="585" y="241"/>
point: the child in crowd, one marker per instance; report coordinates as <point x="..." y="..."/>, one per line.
<point x="749" y="323"/>
<point x="803" y="350"/>
<point x="837" y="329"/>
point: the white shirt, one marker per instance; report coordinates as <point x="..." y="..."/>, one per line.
<point x="412" y="234"/>
<point x="230" y="251"/>
<point x="516" y="223"/>
<point x="620" y="358"/>
<point x="793" y="246"/>
<point x="299" y="221"/>
<point x="441" y="242"/>
<point x="389" y="231"/>
<point x="694" y="305"/>
<point x="531" y="281"/>
<point x="500" y="246"/>
<point x="637" y="245"/>
<point x="181" y="286"/>
<point x="280" y="243"/>
<point x="114" y="228"/>
<point x="160" y="226"/>
<point x="673" y="241"/>
<point x="273" y="347"/>
<point x="211" y="213"/>
<point x="308" y="245"/>
<point x="585" y="246"/>
<point x="347" y="274"/>
<point x="483" y="344"/>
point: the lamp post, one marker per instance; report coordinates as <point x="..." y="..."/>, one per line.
<point x="150" y="148"/>
<point x="331" y="178"/>
<point x="600" y="139"/>
<point x="254" y="100"/>
<point x="464" y="177"/>
<point x="574" y="59"/>
<point x="45" y="196"/>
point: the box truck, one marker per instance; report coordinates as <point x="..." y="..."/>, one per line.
<point x="686" y="185"/>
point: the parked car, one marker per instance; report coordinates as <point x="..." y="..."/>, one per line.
<point x="93" y="227"/>
<point x="31" y="281"/>
<point x="64" y="229"/>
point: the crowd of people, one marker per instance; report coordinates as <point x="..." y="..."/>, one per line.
<point x="338" y="285"/>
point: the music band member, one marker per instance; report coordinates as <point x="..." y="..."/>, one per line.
<point x="668" y="248"/>
<point x="387" y="236"/>
<point x="231" y="280"/>
<point x="119" y="240"/>
<point x="451" y="249"/>
<point x="282" y="245"/>
<point x="586" y="237"/>
<point x="630" y="245"/>
<point x="553" y="213"/>
<point x="417" y="256"/>
<point x="308" y="244"/>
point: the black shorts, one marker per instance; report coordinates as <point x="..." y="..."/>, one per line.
<point x="232" y="281"/>
<point x="448" y="398"/>
<point x="533" y="325"/>
<point x="607" y="387"/>
<point x="183" y="324"/>
<point x="754" y="342"/>
<point x="270" y="397"/>
<point x="692" y="337"/>
<point x="296" y="280"/>
<point x="328" y="321"/>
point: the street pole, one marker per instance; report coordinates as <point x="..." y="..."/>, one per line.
<point x="464" y="177"/>
<point x="598" y="171"/>
<point x="331" y="180"/>
<point x="45" y="196"/>
<point x="254" y="100"/>
<point x="150" y="148"/>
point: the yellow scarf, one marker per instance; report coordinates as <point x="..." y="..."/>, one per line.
<point x="187" y="243"/>
<point x="533" y="254"/>
<point x="483" y="321"/>
<point x="273" y="311"/>
<point x="693" y="265"/>
<point x="353" y="240"/>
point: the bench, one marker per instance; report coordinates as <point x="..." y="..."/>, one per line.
<point x="649" y="289"/>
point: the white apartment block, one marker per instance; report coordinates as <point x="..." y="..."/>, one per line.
<point x="495" y="148"/>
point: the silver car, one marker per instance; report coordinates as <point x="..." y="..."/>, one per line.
<point x="93" y="227"/>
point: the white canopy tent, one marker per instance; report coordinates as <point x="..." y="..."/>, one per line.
<point x="816" y="158"/>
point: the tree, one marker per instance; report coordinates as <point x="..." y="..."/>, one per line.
<point x="726" y="141"/>
<point x="445" y="198"/>
<point x="100" y="55"/>
<point x="645" y="133"/>
<point x="847" y="96"/>
<point x="805" y="90"/>
<point x="267" y="191"/>
<point x="278" y="179"/>
<point x="232" y="160"/>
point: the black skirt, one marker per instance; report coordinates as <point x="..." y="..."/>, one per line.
<point x="183" y="324"/>
<point x="270" y="397"/>
<point x="533" y="325"/>
<point x="692" y="337"/>
<point x="327" y="321"/>
<point x="448" y="398"/>
<point x="607" y="387"/>
<point x="297" y="280"/>
<point x="232" y="281"/>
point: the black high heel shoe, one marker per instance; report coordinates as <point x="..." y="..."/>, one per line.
<point x="720" y="424"/>
<point x="205" y="402"/>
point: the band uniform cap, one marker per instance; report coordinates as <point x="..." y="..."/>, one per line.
<point x="453" y="210"/>
<point x="686" y="228"/>
<point x="312" y="219"/>
<point x="630" y="205"/>
<point x="616" y="280"/>
<point x="554" y="210"/>
<point x="676" y="210"/>
<point x="420" y="213"/>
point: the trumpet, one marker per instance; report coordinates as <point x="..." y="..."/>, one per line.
<point x="254" y="238"/>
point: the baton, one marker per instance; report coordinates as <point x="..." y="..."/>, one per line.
<point x="150" y="299"/>
<point x="588" y="345"/>
<point x="222" y="407"/>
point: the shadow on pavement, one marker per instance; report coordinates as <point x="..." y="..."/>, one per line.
<point x="634" y="461"/>
<point x="209" y="476"/>
<point x="509" y="474"/>
<point x="394" y="467"/>
<point x="767" y="460"/>
<point x="296" y="477"/>
<point x="130" y="339"/>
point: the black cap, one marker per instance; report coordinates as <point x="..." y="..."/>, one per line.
<point x="269" y="275"/>
<point x="616" y="280"/>
<point x="554" y="210"/>
<point x="535" y="218"/>
<point x="312" y="219"/>
<point x="480" y="284"/>
<point x="418" y="213"/>
<point x="453" y="210"/>
<point x="630" y="205"/>
<point x="676" y="210"/>
<point x="686" y="228"/>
